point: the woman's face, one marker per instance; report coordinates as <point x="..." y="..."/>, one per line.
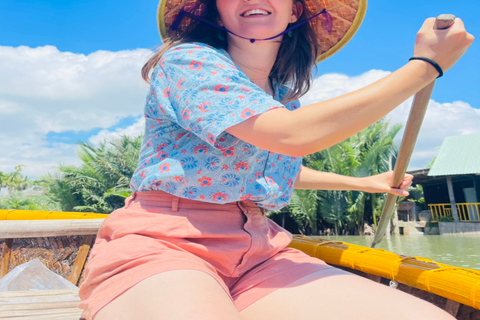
<point x="256" y="19"/>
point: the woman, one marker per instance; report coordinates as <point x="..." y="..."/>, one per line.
<point x="223" y="143"/>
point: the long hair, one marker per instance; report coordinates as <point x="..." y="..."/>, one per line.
<point x="295" y="59"/>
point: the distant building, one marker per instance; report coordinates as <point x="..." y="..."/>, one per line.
<point x="452" y="186"/>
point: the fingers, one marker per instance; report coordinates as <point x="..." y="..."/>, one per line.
<point x="382" y="182"/>
<point x="399" y="192"/>
<point x="458" y="27"/>
<point x="445" y="46"/>
<point x="458" y="24"/>
<point x="407" y="182"/>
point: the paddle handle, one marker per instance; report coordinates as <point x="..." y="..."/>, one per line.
<point x="417" y="113"/>
<point x="444" y="21"/>
<point x="412" y="129"/>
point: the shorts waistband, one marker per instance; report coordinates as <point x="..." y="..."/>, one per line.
<point x="164" y="199"/>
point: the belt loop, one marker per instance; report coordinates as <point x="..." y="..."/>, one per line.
<point x="175" y="201"/>
<point x="242" y="206"/>
<point x="130" y="199"/>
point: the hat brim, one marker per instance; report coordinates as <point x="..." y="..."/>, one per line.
<point x="340" y="42"/>
<point x="161" y="19"/>
<point x="357" y="22"/>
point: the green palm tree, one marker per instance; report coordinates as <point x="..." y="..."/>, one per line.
<point x="14" y="181"/>
<point x="101" y="183"/>
<point x="379" y="156"/>
<point x="342" y="209"/>
<point x="303" y="208"/>
<point x="366" y="153"/>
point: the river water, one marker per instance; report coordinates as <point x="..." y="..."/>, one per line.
<point x="458" y="251"/>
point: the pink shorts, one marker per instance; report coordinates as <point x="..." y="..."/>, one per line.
<point x="155" y="232"/>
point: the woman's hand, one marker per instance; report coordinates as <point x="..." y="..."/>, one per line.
<point x="381" y="183"/>
<point x="445" y="47"/>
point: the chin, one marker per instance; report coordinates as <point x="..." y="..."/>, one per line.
<point x="258" y="34"/>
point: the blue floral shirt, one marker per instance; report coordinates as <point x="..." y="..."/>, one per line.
<point x="196" y="93"/>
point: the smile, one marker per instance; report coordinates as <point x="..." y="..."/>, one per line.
<point x="255" y="12"/>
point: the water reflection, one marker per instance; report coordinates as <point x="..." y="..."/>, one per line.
<point x="459" y="251"/>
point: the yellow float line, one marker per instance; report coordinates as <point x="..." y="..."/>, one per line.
<point x="458" y="284"/>
<point x="47" y="215"/>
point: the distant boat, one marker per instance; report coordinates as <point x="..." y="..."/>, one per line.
<point x="62" y="241"/>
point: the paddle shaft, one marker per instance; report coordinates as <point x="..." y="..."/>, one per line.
<point x="414" y="122"/>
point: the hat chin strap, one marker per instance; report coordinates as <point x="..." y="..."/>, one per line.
<point x="182" y="13"/>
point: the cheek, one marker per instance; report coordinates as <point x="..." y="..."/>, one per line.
<point x="223" y="11"/>
<point x="224" y="7"/>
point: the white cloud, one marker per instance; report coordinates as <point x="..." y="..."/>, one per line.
<point x="43" y="90"/>
<point x="441" y="120"/>
<point x="134" y="130"/>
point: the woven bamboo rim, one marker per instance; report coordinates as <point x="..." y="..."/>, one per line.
<point x="346" y="18"/>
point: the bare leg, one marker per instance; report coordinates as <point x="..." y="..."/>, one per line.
<point x="337" y="295"/>
<point x="179" y="295"/>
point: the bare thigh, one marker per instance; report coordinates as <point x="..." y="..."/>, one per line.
<point x="179" y="295"/>
<point x="334" y="294"/>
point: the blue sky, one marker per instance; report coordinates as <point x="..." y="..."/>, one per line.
<point x="383" y="42"/>
<point x="67" y="36"/>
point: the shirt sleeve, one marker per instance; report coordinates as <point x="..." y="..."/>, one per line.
<point x="206" y="91"/>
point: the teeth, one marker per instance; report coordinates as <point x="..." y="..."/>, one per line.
<point x="255" y="11"/>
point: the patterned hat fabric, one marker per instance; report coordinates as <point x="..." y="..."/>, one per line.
<point x="335" y="23"/>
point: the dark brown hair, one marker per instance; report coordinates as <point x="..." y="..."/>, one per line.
<point x="295" y="59"/>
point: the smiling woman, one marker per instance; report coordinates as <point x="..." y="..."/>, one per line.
<point x="223" y="144"/>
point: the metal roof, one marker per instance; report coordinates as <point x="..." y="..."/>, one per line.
<point x="458" y="155"/>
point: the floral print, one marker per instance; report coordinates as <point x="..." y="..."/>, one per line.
<point x="196" y="93"/>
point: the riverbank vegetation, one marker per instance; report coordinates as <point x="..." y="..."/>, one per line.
<point x="100" y="183"/>
<point x="368" y="152"/>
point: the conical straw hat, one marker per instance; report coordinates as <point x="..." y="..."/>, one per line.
<point x="336" y="24"/>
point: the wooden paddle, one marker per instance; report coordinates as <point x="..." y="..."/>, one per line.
<point x="414" y="122"/>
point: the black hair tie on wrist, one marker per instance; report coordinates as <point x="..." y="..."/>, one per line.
<point x="433" y="63"/>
